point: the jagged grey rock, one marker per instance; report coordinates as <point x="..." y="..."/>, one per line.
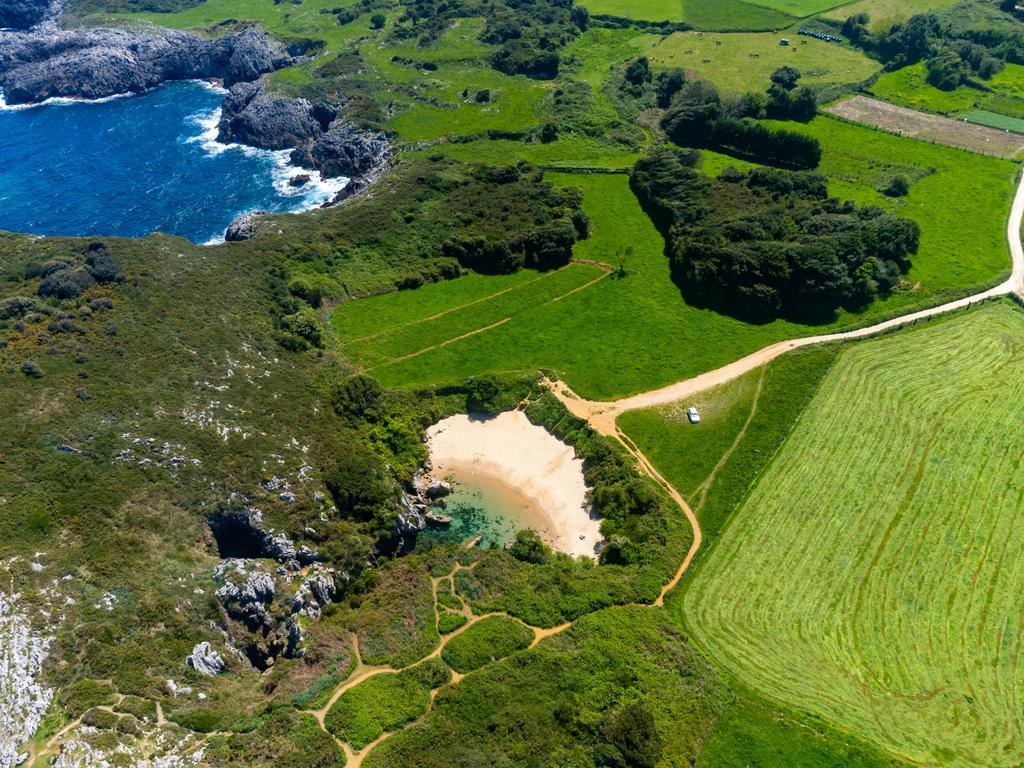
<point x="344" y="151"/>
<point x="24" y="14"/>
<point x="97" y="63"/>
<point x="243" y="226"/>
<point x="438" y="489"/>
<point x="257" y="118"/>
<point x="205" y="660"/>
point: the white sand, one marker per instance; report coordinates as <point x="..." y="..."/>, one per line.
<point x="528" y="459"/>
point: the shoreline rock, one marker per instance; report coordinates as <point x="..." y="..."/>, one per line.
<point x="99" y="63"/>
<point x="252" y="116"/>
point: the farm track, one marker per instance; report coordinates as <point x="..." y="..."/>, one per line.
<point x="606" y="270"/>
<point x="602" y="417"/>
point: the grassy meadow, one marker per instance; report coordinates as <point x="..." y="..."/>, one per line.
<point x="908" y="87"/>
<point x="744" y="62"/>
<point x="721" y="15"/>
<point x="882" y="11"/>
<point x="798" y="8"/>
<point x="870" y="578"/>
<point x="597" y="338"/>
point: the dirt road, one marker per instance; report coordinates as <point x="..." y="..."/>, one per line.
<point x="602" y="415"/>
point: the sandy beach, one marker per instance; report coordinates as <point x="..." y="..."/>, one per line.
<point x="527" y="460"/>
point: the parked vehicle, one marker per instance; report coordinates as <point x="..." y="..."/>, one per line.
<point x="693" y="415"/>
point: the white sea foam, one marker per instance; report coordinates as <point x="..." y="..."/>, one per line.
<point x="312" y="194"/>
<point x="58" y="100"/>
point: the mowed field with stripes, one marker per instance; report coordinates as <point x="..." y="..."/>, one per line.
<point x="875" y="575"/>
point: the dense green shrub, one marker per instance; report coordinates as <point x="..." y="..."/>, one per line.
<point x="66" y="283"/>
<point x="697" y="118"/>
<point x="103" y="267"/>
<point x="488" y="640"/>
<point x="360" y="396"/>
<point x="449" y="622"/>
<point x="771" y="242"/>
<point x="529" y="547"/>
<point x="384" y="702"/>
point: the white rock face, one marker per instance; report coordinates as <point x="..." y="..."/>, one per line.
<point x="205" y="660"/>
<point x="23" y="698"/>
<point x="157" y="749"/>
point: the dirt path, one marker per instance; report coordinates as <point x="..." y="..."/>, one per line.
<point x="700" y="493"/>
<point x="602" y="415"/>
<point x="362" y="672"/>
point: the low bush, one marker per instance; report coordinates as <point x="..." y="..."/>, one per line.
<point x="488" y="640"/>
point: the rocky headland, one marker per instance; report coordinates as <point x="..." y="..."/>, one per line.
<point x="47" y="62"/>
<point x="98" y="63"/>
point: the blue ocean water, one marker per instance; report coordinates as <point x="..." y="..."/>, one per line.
<point x="138" y="164"/>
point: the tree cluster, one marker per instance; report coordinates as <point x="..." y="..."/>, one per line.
<point x="544" y="242"/>
<point x="956" y="47"/>
<point x="64" y="279"/>
<point x="699" y="117"/>
<point x="530" y="33"/>
<point x="770" y="243"/>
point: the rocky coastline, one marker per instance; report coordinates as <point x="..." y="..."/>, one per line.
<point x="40" y="61"/>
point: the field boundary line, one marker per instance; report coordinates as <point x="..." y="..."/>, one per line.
<point x="700" y="495"/>
<point x="440" y="344"/>
<point x="455" y="309"/>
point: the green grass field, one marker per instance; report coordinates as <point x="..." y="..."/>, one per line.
<point x="909" y="87"/>
<point x="744" y="62"/>
<point x="598" y="338"/>
<point x="993" y="120"/>
<point x="873" y="576"/>
<point x="798" y="8"/>
<point x="645" y="10"/>
<point x="722" y="14"/>
<point x="882" y="11"/>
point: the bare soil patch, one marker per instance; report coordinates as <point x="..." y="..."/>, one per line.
<point x="934" y="128"/>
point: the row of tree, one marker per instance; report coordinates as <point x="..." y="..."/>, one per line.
<point x="770" y="243"/>
<point x="698" y="117"/>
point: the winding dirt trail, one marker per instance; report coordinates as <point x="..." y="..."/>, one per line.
<point x="602" y="415"/>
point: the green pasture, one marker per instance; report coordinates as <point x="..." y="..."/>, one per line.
<point x="909" y="87"/>
<point x="798" y="8"/>
<point x="722" y="14"/>
<point x="644" y="10"/>
<point x="599" y="338"/>
<point x="744" y="62"/>
<point x="993" y="120"/>
<point x="567" y="152"/>
<point x="885" y="11"/>
<point x="418" y="333"/>
<point x="733" y="15"/>
<point x="872" y="577"/>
